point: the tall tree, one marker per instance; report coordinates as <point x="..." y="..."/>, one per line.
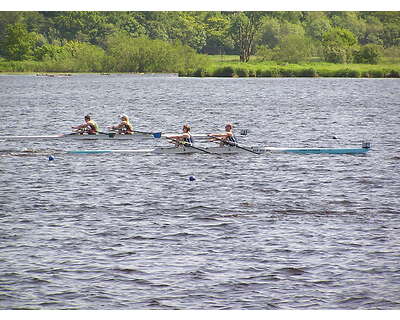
<point x="338" y="45"/>
<point x="18" y="43"/>
<point x="187" y="28"/>
<point x="316" y="24"/>
<point x="243" y="30"/>
<point x="217" y="30"/>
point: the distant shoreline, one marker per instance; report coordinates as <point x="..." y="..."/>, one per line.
<point x="306" y="73"/>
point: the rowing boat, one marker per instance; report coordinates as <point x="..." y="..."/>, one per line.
<point x="100" y="136"/>
<point x="231" y="149"/>
<point x="103" y="136"/>
<point x="110" y="136"/>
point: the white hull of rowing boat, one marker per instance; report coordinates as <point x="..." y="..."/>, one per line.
<point x="82" y="137"/>
<point x="104" y="136"/>
<point x="230" y="150"/>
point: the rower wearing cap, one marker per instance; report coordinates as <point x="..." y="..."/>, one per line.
<point x="185" y="138"/>
<point x="227" y="136"/>
<point x="125" y="127"/>
<point x="89" y="127"/>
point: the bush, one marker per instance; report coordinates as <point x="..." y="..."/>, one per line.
<point x="393" y="74"/>
<point x="326" y="73"/>
<point x="259" y="72"/>
<point x="264" y="73"/>
<point x="200" y="72"/>
<point x="224" y="72"/>
<point x="348" y="73"/>
<point x="365" y="74"/>
<point x="293" y="48"/>
<point x="186" y="73"/>
<point x="308" y="73"/>
<point x="264" y="53"/>
<point x="376" y="73"/>
<point x="369" y="54"/>
<point x="242" y="72"/>
<point x="22" y="66"/>
<point x="338" y="54"/>
<point x="127" y="54"/>
<point x="252" y="73"/>
<point x="287" y="73"/>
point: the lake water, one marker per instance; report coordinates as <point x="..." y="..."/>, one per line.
<point x="130" y="231"/>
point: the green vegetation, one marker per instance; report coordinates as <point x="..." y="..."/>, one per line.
<point x="230" y="66"/>
<point x="221" y="44"/>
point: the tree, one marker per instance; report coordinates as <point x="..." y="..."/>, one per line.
<point x="19" y="44"/>
<point x="391" y="35"/>
<point x="273" y="30"/>
<point x="6" y="18"/>
<point x="338" y="45"/>
<point x="293" y="49"/>
<point x="349" y="20"/>
<point x="316" y="24"/>
<point x="188" y="29"/>
<point x="243" y="30"/>
<point x="373" y="31"/>
<point x="217" y="41"/>
<point x="89" y="26"/>
<point x="264" y="53"/>
<point x="369" y="53"/>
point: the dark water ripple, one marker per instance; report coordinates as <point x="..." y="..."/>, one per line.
<point x="132" y="232"/>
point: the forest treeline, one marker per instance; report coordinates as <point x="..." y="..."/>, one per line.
<point x="95" y="41"/>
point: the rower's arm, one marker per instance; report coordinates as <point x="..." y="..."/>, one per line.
<point x="219" y="135"/>
<point x="118" y="126"/>
<point x="179" y="138"/>
<point x="84" y="125"/>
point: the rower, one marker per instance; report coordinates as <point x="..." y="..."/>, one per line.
<point x="184" y="139"/>
<point x="227" y="136"/>
<point x="89" y="127"/>
<point x="125" y="127"/>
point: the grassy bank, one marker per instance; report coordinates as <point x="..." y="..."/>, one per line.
<point x="228" y="66"/>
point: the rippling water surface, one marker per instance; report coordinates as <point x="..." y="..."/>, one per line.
<point x="130" y="231"/>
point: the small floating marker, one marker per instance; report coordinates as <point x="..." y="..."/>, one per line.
<point x="51" y="158"/>
<point x="192" y="178"/>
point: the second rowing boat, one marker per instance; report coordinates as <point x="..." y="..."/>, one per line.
<point x="232" y="149"/>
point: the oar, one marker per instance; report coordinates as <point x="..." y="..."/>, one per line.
<point x="188" y="145"/>
<point x="233" y="144"/>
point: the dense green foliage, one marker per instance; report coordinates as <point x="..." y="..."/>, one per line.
<point x="79" y="41"/>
